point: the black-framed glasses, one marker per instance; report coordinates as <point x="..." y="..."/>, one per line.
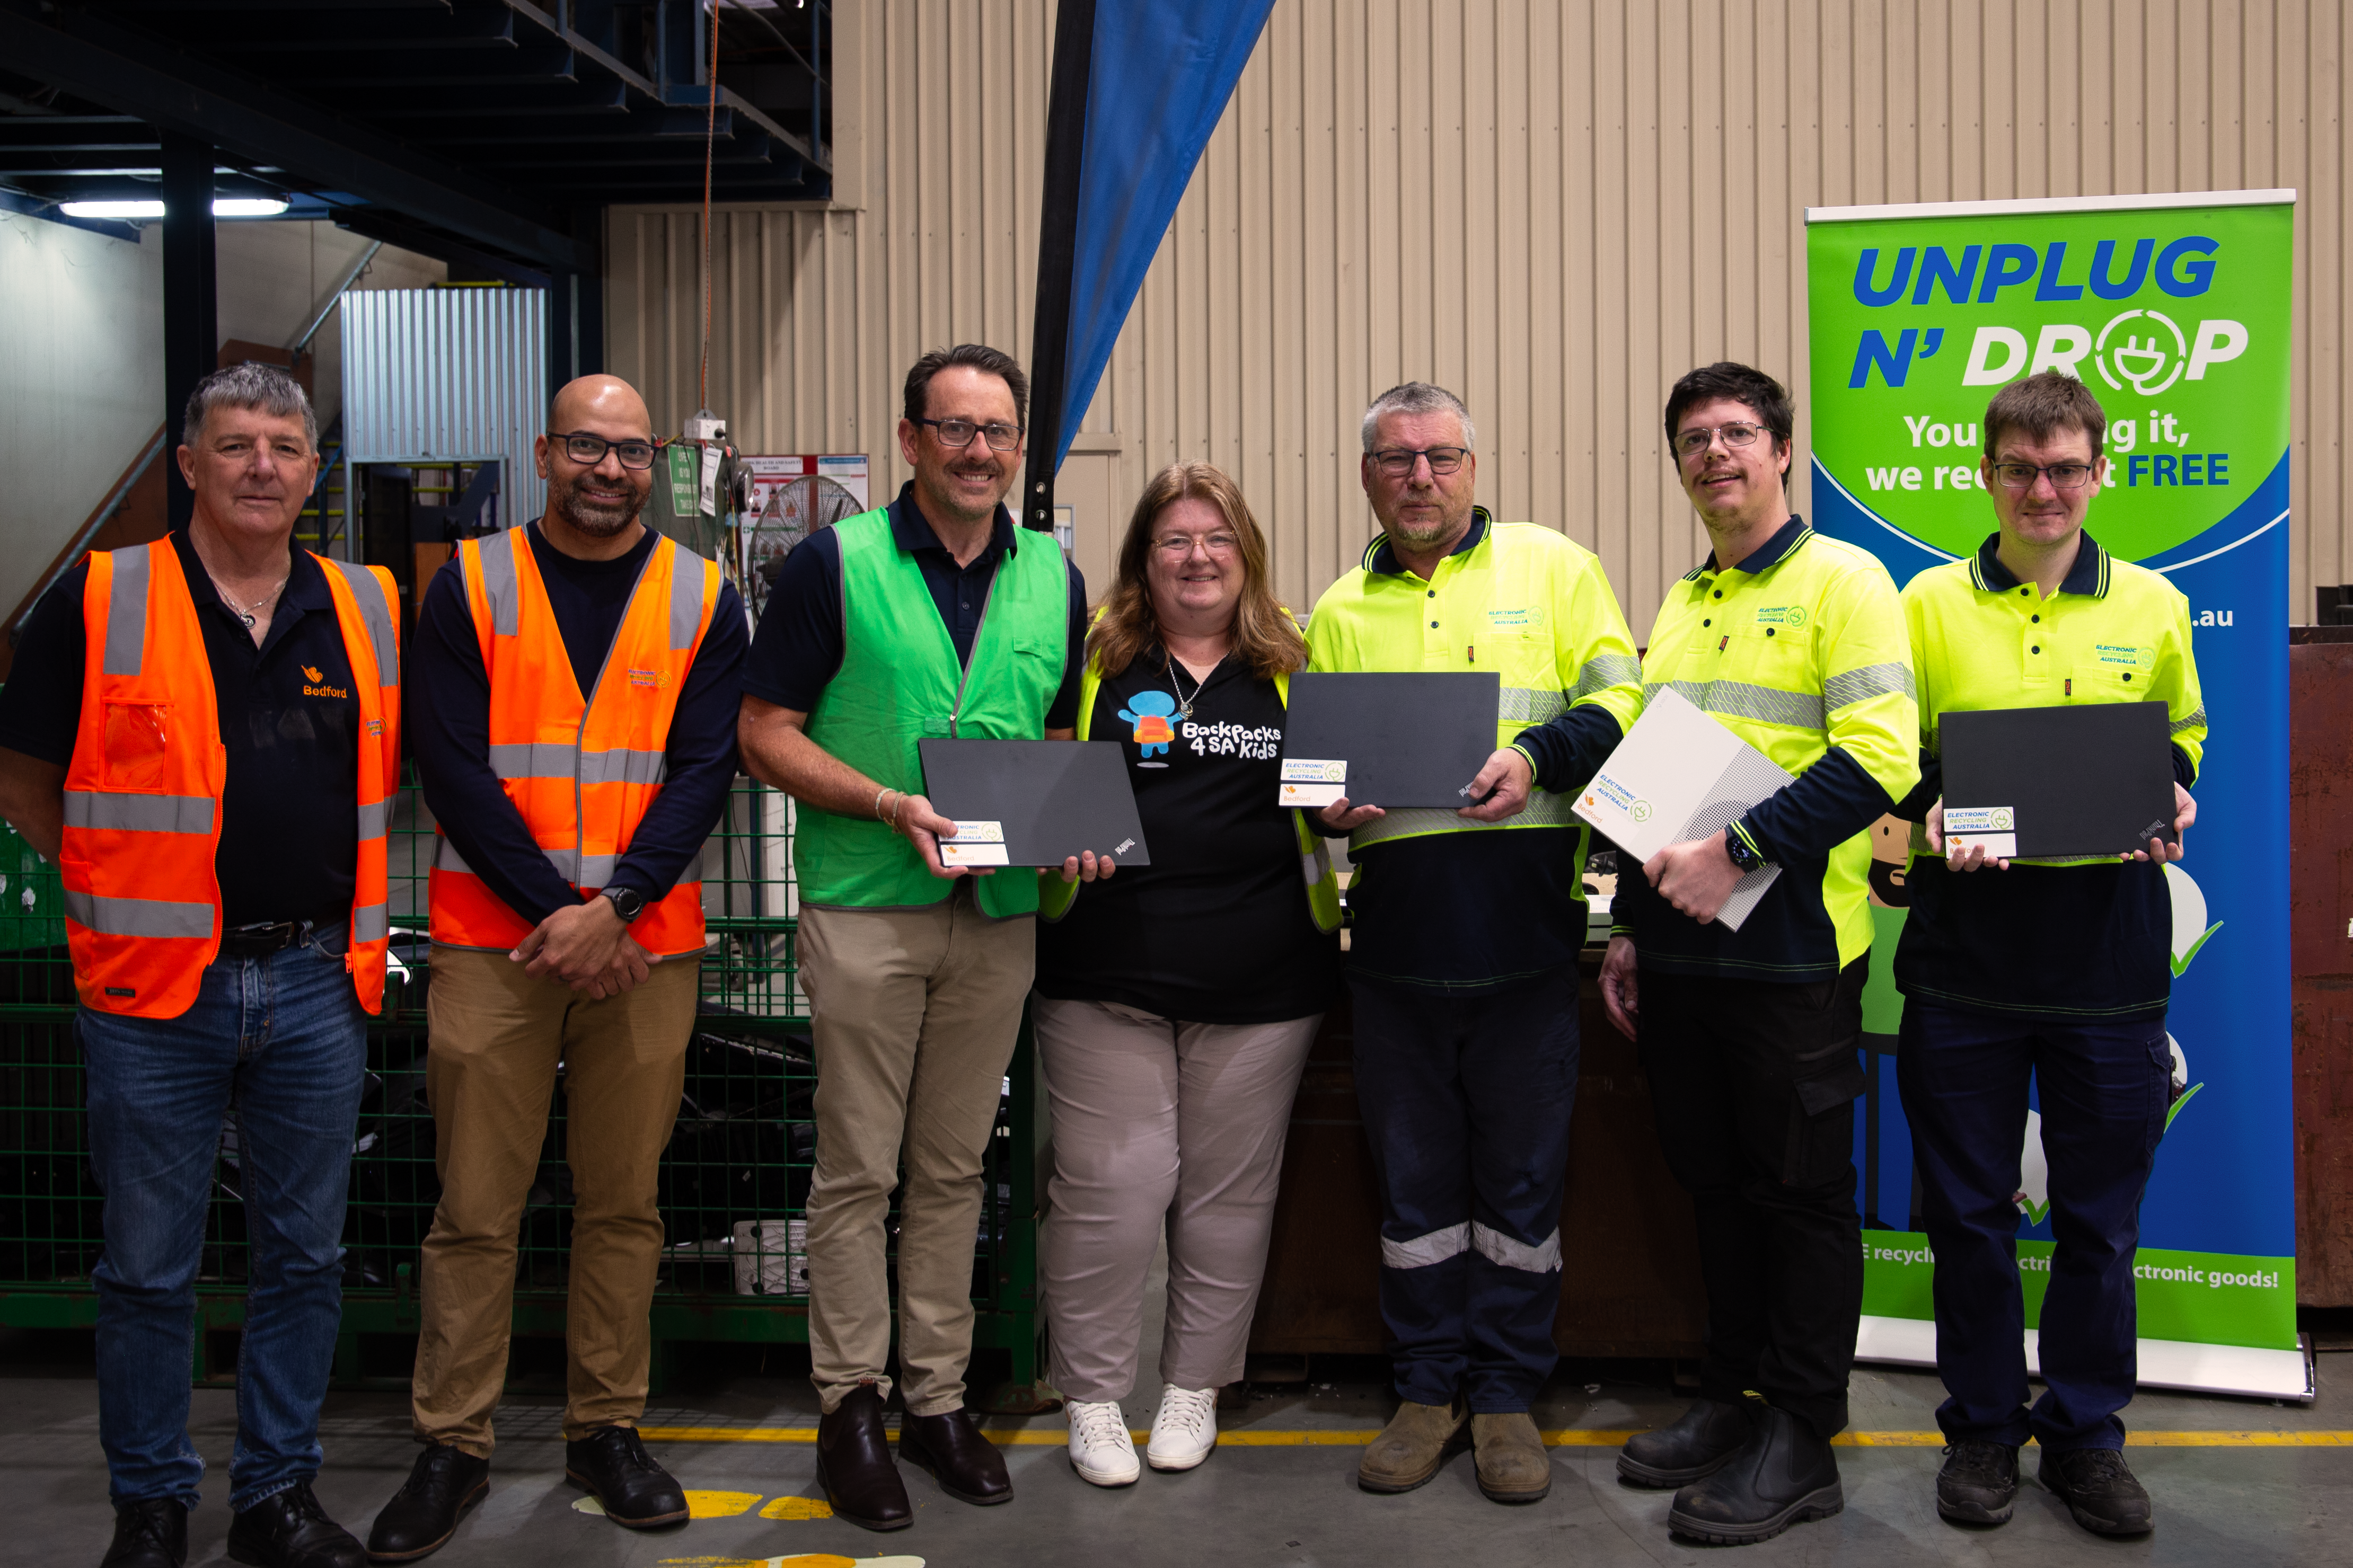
<point x="1739" y="433"/>
<point x="956" y="434"/>
<point x="2064" y="476"/>
<point x="1397" y="462"/>
<point x="589" y="450"/>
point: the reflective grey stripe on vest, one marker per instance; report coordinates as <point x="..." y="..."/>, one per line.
<point x="535" y="760"/>
<point x="139" y="813"/>
<point x="1849" y="686"/>
<point x="1498" y="1249"/>
<point x="1545" y="809"/>
<point x="1604" y="670"/>
<point x="377" y="615"/>
<point x="1529" y="705"/>
<point x="375" y="817"/>
<point x="370" y="922"/>
<point x="126" y="615"/>
<point x="619" y="766"/>
<point x="686" y="572"/>
<point x="1424" y="1250"/>
<point x="2195" y="720"/>
<point x="499" y="583"/>
<point x="138" y="917"/>
<point x="583" y="870"/>
<point x="1798" y="709"/>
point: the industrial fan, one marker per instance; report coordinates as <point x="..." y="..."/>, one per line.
<point x="794" y="508"/>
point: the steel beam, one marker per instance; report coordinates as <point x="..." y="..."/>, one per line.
<point x="191" y="296"/>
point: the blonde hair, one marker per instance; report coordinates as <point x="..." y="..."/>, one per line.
<point x="1265" y="637"/>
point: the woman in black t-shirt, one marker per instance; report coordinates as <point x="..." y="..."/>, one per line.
<point x="1176" y="1001"/>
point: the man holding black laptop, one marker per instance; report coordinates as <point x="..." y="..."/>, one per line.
<point x="1467" y="926"/>
<point x="929" y="617"/>
<point x="1794" y="642"/>
<point x="2054" y="970"/>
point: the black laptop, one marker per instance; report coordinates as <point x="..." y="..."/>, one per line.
<point x="1392" y="740"/>
<point x="1032" y="803"/>
<point x="2057" y="783"/>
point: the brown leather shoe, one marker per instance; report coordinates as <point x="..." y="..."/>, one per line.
<point x="854" y="1465"/>
<point x="1513" y="1463"/>
<point x="1412" y="1446"/>
<point x="965" y="1464"/>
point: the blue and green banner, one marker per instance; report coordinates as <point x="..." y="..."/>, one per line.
<point x="2174" y="309"/>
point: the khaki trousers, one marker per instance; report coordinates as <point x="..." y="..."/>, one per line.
<point x="1159" y="1124"/>
<point x="915" y="1014"/>
<point x="498" y="1035"/>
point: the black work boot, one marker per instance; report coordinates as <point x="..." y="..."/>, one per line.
<point x="1702" y="1438"/>
<point x="854" y="1464"/>
<point x="1979" y="1484"/>
<point x="2099" y="1491"/>
<point x="289" y="1530"/>
<point x="422" y="1514"/>
<point x="612" y="1462"/>
<point x="1783" y="1475"/>
<point x="150" y="1533"/>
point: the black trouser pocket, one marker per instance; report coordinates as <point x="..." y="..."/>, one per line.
<point x="1821" y="1139"/>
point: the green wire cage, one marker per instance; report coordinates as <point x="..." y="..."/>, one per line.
<point x="734" y="1183"/>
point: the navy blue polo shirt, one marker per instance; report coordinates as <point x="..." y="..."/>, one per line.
<point x="797" y="649"/>
<point x="290" y="832"/>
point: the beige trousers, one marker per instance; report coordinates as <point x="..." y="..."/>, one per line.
<point x="915" y="1014"/>
<point x="498" y="1035"/>
<point x="1159" y="1123"/>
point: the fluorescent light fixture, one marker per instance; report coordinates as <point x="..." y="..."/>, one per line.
<point x="223" y="206"/>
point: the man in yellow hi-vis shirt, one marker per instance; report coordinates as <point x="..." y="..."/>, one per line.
<point x="1793" y="642"/>
<point x="1462" y="962"/>
<point x="2057" y="970"/>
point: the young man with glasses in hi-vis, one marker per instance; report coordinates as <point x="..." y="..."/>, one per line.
<point x="1794" y="643"/>
<point x="2056" y="970"/>
<point x="934" y="616"/>
<point x="1462" y="966"/>
<point x="576" y="682"/>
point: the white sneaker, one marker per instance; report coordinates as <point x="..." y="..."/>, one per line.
<point x="1184" y="1430"/>
<point x="1102" y="1451"/>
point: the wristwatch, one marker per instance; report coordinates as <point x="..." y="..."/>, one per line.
<point x="627" y="902"/>
<point x="1745" y="858"/>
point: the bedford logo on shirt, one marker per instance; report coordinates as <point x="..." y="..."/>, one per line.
<point x="648" y="677"/>
<point x="314" y="678"/>
<point x="1781" y="615"/>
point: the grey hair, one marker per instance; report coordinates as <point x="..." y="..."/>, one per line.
<point x="268" y="388"/>
<point x="1418" y="397"/>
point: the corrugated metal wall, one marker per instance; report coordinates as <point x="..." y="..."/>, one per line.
<point x="448" y="372"/>
<point x="1553" y="207"/>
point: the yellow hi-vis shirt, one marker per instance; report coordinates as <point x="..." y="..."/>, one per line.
<point x="1798" y="650"/>
<point x="1517" y="598"/>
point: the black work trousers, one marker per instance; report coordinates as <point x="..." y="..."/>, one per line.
<point x="1754" y="1086"/>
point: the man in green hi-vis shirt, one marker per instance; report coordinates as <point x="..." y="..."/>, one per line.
<point x="932" y="616"/>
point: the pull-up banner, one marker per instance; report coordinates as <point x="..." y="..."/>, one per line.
<point x="2174" y="310"/>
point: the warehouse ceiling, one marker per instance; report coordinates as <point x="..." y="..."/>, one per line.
<point x="486" y="132"/>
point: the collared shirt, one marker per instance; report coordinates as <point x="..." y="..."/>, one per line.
<point x="450" y="728"/>
<point x="2072" y="941"/>
<point x="797" y="649"/>
<point x="289" y="836"/>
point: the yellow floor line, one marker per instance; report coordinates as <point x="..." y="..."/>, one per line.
<point x="1564" y="1437"/>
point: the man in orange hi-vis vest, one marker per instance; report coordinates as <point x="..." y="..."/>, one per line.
<point x="577" y="681"/>
<point x="203" y="734"/>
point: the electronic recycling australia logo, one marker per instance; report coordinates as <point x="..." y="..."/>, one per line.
<point x="2148" y="366"/>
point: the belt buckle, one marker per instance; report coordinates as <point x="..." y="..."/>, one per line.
<point x="256" y="940"/>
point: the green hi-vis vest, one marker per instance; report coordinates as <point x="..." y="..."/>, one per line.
<point x="900" y="683"/>
<point x="1524" y="601"/>
<point x="1315" y="868"/>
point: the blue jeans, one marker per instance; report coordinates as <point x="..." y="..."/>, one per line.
<point x="2105" y="1088"/>
<point x="1466" y="1098"/>
<point x="282" y="1041"/>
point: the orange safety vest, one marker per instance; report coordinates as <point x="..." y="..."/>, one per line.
<point x="581" y="771"/>
<point x="143" y="791"/>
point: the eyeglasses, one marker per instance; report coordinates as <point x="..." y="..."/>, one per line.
<point x="1179" y="546"/>
<point x="2064" y="476"/>
<point x="1397" y="462"/>
<point x="1691" y="443"/>
<point x="956" y="434"/>
<point x="589" y="450"/>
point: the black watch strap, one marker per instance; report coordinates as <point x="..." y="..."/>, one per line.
<point x="1741" y="856"/>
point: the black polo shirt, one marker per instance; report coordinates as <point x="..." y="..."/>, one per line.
<point x="797" y="649"/>
<point x="289" y="825"/>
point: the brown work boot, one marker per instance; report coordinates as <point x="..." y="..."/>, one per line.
<point x="1513" y="1463"/>
<point x="1411" y="1447"/>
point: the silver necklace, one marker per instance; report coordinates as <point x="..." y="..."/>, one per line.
<point x="1185" y="703"/>
<point x="247" y="613"/>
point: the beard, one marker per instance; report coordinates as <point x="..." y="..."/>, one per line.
<point x="596" y="517"/>
<point x="1431" y="532"/>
